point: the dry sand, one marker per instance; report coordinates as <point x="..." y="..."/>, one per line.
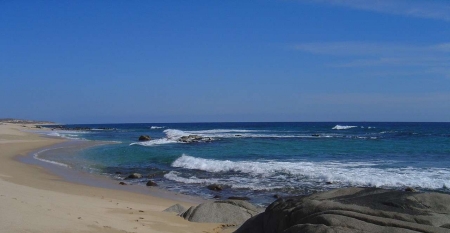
<point x="32" y="199"/>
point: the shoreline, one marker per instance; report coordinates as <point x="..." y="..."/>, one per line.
<point x="34" y="199"/>
<point x="76" y="176"/>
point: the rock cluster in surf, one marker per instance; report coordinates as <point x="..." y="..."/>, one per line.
<point x="194" y="138"/>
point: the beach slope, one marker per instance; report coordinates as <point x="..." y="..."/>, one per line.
<point x="32" y="199"/>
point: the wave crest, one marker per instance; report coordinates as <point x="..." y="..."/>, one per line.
<point x="300" y="173"/>
<point x="341" y="127"/>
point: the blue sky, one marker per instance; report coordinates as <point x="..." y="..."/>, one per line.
<point x="197" y="61"/>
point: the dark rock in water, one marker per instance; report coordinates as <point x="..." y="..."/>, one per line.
<point x="226" y="211"/>
<point x="409" y="189"/>
<point x="276" y="196"/>
<point x="156" y="174"/>
<point x="215" y="187"/>
<point x="207" y="139"/>
<point x="355" y="210"/>
<point x="177" y="208"/>
<point x="328" y="182"/>
<point x="239" y="198"/>
<point x="118" y="173"/>
<point x="144" y="138"/>
<point x="238" y="135"/>
<point x="217" y="197"/>
<point x="134" y="176"/>
<point x="122" y="183"/>
<point x="194" y="138"/>
<point x="151" y="183"/>
<point x="315" y="135"/>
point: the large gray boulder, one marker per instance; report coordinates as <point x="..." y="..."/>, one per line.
<point x="226" y="211"/>
<point x="354" y="210"/>
<point x="177" y="208"/>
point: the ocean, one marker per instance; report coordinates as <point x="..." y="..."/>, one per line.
<point x="263" y="160"/>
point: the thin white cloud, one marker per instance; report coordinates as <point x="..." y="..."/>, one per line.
<point x="355" y="48"/>
<point x="445" y="47"/>
<point x="432" y="9"/>
<point x="428" y="58"/>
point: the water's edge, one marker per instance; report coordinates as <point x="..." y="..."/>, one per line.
<point x="97" y="180"/>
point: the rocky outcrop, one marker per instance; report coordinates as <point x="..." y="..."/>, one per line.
<point x="134" y="176"/>
<point x="151" y="183"/>
<point x="144" y="138"/>
<point x="215" y="187"/>
<point x="194" y="138"/>
<point x="227" y="211"/>
<point x="239" y="198"/>
<point x="177" y="208"/>
<point x="354" y="210"/>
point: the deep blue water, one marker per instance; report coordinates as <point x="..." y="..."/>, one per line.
<point x="259" y="160"/>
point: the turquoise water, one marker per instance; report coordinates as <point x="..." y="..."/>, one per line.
<point x="259" y="160"/>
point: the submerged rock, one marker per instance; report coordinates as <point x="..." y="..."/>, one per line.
<point x="215" y="187"/>
<point x="151" y="183"/>
<point x="409" y="189"/>
<point x="194" y="138"/>
<point x="226" y="211"/>
<point x="134" y="176"/>
<point x="355" y="210"/>
<point x="239" y="198"/>
<point x="144" y="138"/>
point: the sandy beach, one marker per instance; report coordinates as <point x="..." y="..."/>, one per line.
<point x="33" y="199"/>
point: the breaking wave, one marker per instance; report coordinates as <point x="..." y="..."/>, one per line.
<point x="173" y="135"/>
<point x="154" y="142"/>
<point x="341" y="127"/>
<point x="300" y="173"/>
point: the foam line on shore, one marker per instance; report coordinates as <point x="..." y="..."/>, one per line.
<point x="36" y="156"/>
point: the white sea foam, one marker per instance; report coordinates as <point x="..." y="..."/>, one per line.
<point x="157" y="127"/>
<point x="173" y="175"/>
<point x="237" y="133"/>
<point x="233" y="182"/>
<point x="154" y="142"/>
<point x="75" y="135"/>
<point x="36" y="156"/>
<point x="341" y="127"/>
<point x="175" y="134"/>
<point x="54" y="134"/>
<point x="344" y="173"/>
<point x="215" y="133"/>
